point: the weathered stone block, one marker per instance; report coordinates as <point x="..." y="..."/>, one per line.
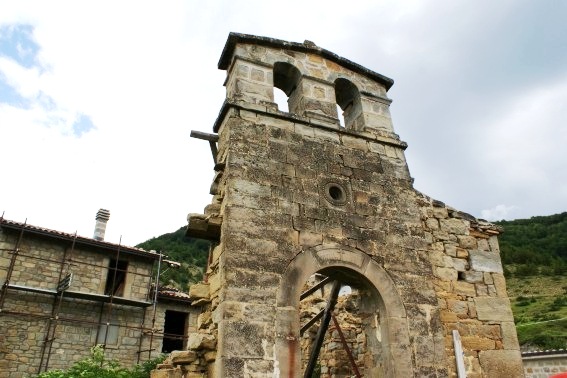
<point x="458" y="307"/>
<point x="440" y="212"/>
<point x="459" y="265"/>
<point x="473" y="276"/>
<point x="493" y="309"/>
<point x="180" y="357"/>
<point x="167" y="373"/>
<point x="448" y="316"/>
<point x="485" y="261"/>
<point x="493" y="243"/>
<point x="198" y="341"/>
<point x="243" y="339"/>
<point x="446" y="274"/>
<point x="210" y="356"/>
<point x="509" y="335"/>
<point x="467" y="242"/>
<point x="199" y="291"/>
<point x="477" y="343"/>
<point x="451" y="250"/>
<point x="454" y="226"/>
<point x="501" y="363"/>
<point x="462" y="253"/>
<point x="310" y="239"/>
<point x="500" y="284"/>
<point x="464" y="288"/>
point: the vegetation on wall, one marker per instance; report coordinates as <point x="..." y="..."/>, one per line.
<point x="190" y="253"/>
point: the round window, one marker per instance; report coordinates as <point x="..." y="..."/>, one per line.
<point x="335" y="193"/>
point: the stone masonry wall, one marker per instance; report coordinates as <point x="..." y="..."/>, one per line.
<point x="197" y="361"/>
<point x="21" y="345"/>
<point x="275" y="206"/>
<point x="544" y="366"/>
<point x="333" y="359"/>
<point x="40" y="264"/>
<point x="25" y="315"/>
<point x="471" y="289"/>
<point x="297" y="194"/>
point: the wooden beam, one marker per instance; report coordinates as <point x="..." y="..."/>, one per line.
<point x="211" y="138"/>
<point x="204" y="136"/>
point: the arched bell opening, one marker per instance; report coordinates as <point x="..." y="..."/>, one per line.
<point x="286" y="80"/>
<point x="349" y="106"/>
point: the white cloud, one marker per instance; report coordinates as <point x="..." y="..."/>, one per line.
<point x="524" y="147"/>
<point x="144" y="72"/>
<point x="499" y="212"/>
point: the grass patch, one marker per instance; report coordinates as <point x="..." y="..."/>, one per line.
<point x="548" y="335"/>
<point x="537" y="304"/>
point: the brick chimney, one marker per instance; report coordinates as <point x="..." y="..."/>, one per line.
<point x="100" y="227"/>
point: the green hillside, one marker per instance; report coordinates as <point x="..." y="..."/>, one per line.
<point x="191" y="253"/>
<point x="534" y="253"/>
<point x="535" y="246"/>
<point x="539" y="304"/>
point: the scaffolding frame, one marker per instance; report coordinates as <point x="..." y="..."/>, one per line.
<point x="61" y="295"/>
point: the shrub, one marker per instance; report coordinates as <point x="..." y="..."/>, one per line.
<point x="558" y="303"/>
<point x="97" y="366"/>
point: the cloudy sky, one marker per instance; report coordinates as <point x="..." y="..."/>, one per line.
<point x="97" y="100"/>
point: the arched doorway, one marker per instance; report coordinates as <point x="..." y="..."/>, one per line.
<point x="390" y="348"/>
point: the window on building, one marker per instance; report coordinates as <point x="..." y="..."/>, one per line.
<point x="340" y="116"/>
<point x="280" y="98"/>
<point x="175" y="331"/>
<point x="110" y="338"/>
<point x="116" y="278"/>
<point x="286" y="80"/>
<point x="348" y="100"/>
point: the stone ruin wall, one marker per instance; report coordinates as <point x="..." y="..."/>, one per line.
<point x="471" y="292"/>
<point x="435" y="269"/>
<point x="333" y="359"/>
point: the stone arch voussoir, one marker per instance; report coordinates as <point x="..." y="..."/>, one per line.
<point x="321" y="257"/>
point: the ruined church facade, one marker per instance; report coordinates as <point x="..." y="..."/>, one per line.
<point x="296" y="193"/>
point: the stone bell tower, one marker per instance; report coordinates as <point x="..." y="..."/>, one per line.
<point x="296" y="194"/>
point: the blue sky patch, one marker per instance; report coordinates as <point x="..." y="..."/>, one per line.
<point x="17" y="43"/>
<point x="82" y="125"/>
<point x="9" y="95"/>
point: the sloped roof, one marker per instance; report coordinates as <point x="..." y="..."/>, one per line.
<point x="79" y="240"/>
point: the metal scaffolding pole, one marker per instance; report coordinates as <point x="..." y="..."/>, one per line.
<point x="156" y="289"/>
<point x="6" y="284"/>
<point x="141" y="336"/>
<point x="110" y="305"/>
<point x="58" y="300"/>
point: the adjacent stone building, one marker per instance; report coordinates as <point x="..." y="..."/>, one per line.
<point x="298" y="193"/>
<point x="62" y="294"/>
<point x="545" y="363"/>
